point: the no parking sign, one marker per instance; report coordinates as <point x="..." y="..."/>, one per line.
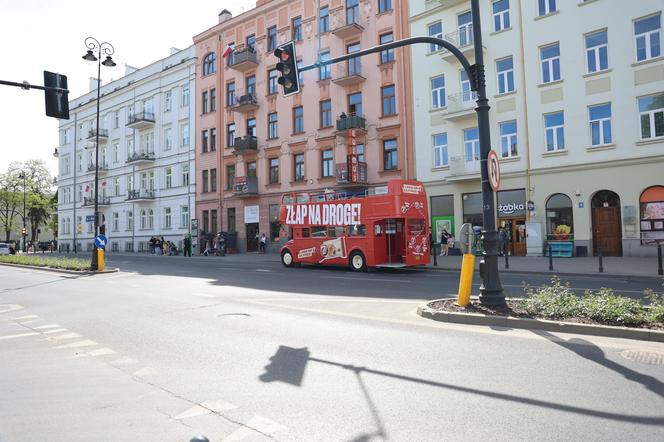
<point x="493" y="169"/>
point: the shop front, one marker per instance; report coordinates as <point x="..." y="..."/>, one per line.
<point x="511" y="213"/>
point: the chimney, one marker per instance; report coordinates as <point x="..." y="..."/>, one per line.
<point x="93" y="84"/>
<point x="174" y="51"/>
<point x="225" y="15"/>
<point x="129" y="69"/>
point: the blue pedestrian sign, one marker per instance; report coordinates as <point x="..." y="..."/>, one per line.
<point x="89" y="218"/>
<point x="101" y="241"/>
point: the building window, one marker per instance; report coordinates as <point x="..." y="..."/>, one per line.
<point x="352" y="11"/>
<point x="435" y="30"/>
<point x="505" y="68"/>
<point x="251" y="85"/>
<point x="168" y="139"/>
<point x="501" y="15"/>
<point x="213" y="220"/>
<point x="116" y="119"/>
<point x="471" y="144"/>
<point x="466" y="94"/>
<point x="465" y="28"/>
<point x="355" y="104"/>
<point x="130" y="220"/>
<point x="558" y="212"/>
<point x="274" y="170"/>
<point x="648" y="37"/>
<point x="299" y="167"/>
<point x="184" y="129"/>
<point x="272" y="85"/>
<point x="168" y="100"/>
<point x="116" y="187"/>
<point x="508" y="139"/>
<point x="651" y="115"/>
<point x="213" y="99"/>
<point x="360" y="152"/>
<point x="213" y="139"/>
<point x="185" y="96"/>
<point x="324" y="20"/>
<point x="298" y="120"/>
<point x="230" y="135"/>
<point x="272" y="126"/>
<point x="325" y="114"/>
<point x="546" y="7"/>
<point x="325" y="72"/>
<point x="600" y="124"/>
<point x="230" y="176"/>
<point x="251" y="42"/>
<point x="167" y="217"/>
<point x="150" y="219"/>
<point x="388" y="54"/>
<point x="213" y="180"/>
<point x="297" y="29"/>
<point x="384" y="6"/>
<point x="230" y="217"/>
<point x="144" y="219"/>
<point x="251" y="168"/>
<point x="390" y="155"/>
<point x="206" y="220"/>
<point x="550" y="56"/>
<point x="597" y="52"/>
<point x="328" y="163"/>
<point x="440" y="158"/>
<point x="271" y="38"/>
<point x="230" y="94"/>
<point x="204" y="141"/>
<point x="209" y="64"/>
<point x="438" y="92"/>
<point x="185" y="174"/>
<point x="251" y="127"/>
<point x="184" y="217"/>
<point x="169" y="177"/>
<point x="389" y="101"/>
<point x="300" y="74"/>
<point x="204" y="102"/>
<point x="204" y="179"/>
<point x="354" y="64"/>
<point x="555" y="131"/>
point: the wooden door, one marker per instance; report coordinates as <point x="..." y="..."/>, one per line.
<point x="519" y="237"/>
<point x="607" y="232"/>
<point x="252" y="241"/>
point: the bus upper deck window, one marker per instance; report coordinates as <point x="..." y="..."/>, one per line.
<point x="305" y="232"/>
<point x="357" y="230"/>
<point x="318" y="232"/>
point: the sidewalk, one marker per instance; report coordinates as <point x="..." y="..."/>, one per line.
<point x="613" y="266"/>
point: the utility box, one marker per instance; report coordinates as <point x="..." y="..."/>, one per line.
<point x="534" y="239"/>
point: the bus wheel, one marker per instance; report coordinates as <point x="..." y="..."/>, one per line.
<point x="287" y="258"/>
<point x="357" y="263"/>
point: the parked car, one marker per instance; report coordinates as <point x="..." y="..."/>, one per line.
<point x="4" y="249"/>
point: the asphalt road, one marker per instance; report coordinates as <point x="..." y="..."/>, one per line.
<point x="169" y="348"/>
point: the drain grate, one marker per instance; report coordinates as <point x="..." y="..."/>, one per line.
<point x="645" y="357"/>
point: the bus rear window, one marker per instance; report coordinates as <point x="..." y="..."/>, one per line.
<point x="318" y="232"/>
<point x="357" y="230"/>
<point x="416" y="226"/>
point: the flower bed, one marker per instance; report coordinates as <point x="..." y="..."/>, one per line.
<point x="54" y="263"/>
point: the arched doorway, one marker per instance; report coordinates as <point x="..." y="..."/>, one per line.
<point x="606" y="223"/>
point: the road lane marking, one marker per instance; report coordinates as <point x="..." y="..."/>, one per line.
<point x="257" y="424"/>
<point x="194" y="411"/>
<point x="19" y="335"/>
<point x="6" y="308"/>
<point x="145" y="371"/>
<point x="66" y="336"/>
<point x="207" y="407"/>
<point x="25" y="317"/>
<point x="30" y="322"/>
<point x="79" y="344"/>
<point x="46" y="327"/>
<point x="123" y="361"/>
<point x="360" y="278"/>
<point x="263" y="270"/>
<point x="101" y="352"/>
<point x="57" y="330"/>
<point x="218" y="406"/>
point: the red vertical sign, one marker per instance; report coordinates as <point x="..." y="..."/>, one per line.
<point x="352" y="158"/>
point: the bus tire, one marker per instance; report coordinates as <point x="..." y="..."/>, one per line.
<point x="357" y="262"/>
<point x="287" y="258"/>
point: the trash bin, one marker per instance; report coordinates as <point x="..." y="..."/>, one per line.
<point x="582" y="251"/>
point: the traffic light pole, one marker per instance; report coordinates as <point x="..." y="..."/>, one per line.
<point x="491" y="290"/>
<point x="25" y="85"/>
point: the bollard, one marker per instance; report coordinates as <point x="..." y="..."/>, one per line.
<point x="660" y="270"/>
<point x="435" y="255"/>
<point x="550" y="258"/>
<point x="466" y="279"/>
<point x="100" y="260"/>
<point x="507" y="261"/>
<point x="599" y="255"/>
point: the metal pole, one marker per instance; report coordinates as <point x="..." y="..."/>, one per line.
<point x="25" y="227"/>
<point x="550" y="259"/>
<point x="599" y="254"/>
<point x="506" y="253"/>
<point x="435" y="254"/>
<point x="660" y="270"/>
<point x="491" y="290"/>
<point x="94" y="263"/>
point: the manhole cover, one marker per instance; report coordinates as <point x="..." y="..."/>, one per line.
<point x="645" y="357"/>
<point x="237" y="315"/>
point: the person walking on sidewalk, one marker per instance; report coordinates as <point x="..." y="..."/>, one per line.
<point x="444" y="239"/>
<point x="187" y="246"/>
<point x="262" y="243"/>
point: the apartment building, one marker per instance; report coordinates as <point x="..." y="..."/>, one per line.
<point x="576" y="90"/>
<point x="253" y="145"/>
<point x="146" y="158"/>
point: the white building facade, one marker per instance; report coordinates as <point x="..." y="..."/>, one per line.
<point x="146" y="158"/>
<point x="576" y="90"/>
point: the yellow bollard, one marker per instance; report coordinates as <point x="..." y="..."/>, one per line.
<point x="100" y="260"/>
<point x="466" y="279"/>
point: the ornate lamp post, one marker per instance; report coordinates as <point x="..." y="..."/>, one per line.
<point x="101" y="49"/>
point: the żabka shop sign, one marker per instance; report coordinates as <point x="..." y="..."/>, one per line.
<point x="324" y="214"/>
<point x="512" y="203"/>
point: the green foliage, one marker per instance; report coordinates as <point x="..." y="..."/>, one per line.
<point x="552" y="301"/>
<point x="55" y="263"/>
<point x="606" y="307"/>
<point x="656" y="310"/>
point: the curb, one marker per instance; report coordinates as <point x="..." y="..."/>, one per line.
<point x="548" y="272"/>
<point x="69" y="272"/>
<point x="640" y="334"/>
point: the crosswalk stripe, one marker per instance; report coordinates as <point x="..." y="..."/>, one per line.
<point x="46" y="327"/>
<point x="19" y="335"/>
<point x="145" y="371"/>
<point x="194" y="411"/>
<point x="66" y="336"/>
<point x="25" y="317"/>
<point x="101" y="352"/>
<point x="57" y="330"/>
<point x="79" y="344"/>
<point x="123" y="361"/>
<point x="257" y="424"/>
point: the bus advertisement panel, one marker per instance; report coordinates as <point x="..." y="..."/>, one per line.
<point x="384" y="229"/>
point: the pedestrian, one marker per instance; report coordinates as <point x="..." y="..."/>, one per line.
<point x="431" y="245"/>
<point x="502" y="240"/>
<point x="258" y="240"/>
<point x="187" y="246"/>
<point x="263" y="243"/>
<point x="444" y="242"/>
<point x="208" y="244"/>
<point x="164" y="246"/>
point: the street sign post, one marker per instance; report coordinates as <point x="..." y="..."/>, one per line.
<point x="493" y="166"/>
<point x="101" y="241"/>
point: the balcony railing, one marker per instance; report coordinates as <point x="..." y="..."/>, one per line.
<point x="353" y="121"/>
<point x="344" y="177"/>
<point x="347" y="23"/>
<point x="140" y="157"/>
<point x="460" y="166"/>
<point x="244" y="59"/>
<point x="245" y="185"/>
<point x="101" y="201"/>
<point x="463" y="102"/>
<point x="462" y="39"/>
<point x="92" y="134"/>
<point x="141" y="120"/>
<point x="245" y="103"/>
<point x="348" y="73"/>
<point x="140" y="194"/>
<point x="245" y="144"/>
<point x="102" y="167"/>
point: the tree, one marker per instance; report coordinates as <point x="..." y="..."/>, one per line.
<point x="39" y="212"/>
<point x="11" y="199"/>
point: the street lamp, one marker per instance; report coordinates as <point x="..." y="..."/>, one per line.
<point x="102" y="49"/>
<point x="24" y="231"/>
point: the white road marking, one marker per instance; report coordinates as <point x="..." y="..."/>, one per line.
<point x="194" y="411"/>
<point x="6" y="308"/>
<point x="146" y="371"/>
<point x="57" y="330"/>
<point x="25" y="317"/>
<point x="66" y="336"/>
<point x="45" y="327"/>
<point x="20" y="335"/>
<point x="359" y="278"/>
<point x="218" y="406"/>
<point x="30" y="322"/>
<point x="256" y="424"/>
<point x="79" y="344"/>
<point x="263" y="270"/>
<point x="124" y="361"/>
<point x="206" y="407"/>
<point x="101" y="352"/>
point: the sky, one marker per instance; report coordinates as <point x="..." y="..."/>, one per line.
<point x="38" y="35"/>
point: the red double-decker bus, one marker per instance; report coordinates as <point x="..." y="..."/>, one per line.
<point x="383" y="229"/>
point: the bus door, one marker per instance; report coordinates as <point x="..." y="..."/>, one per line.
<point x="394" y="240"/>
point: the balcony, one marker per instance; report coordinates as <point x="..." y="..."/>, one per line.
<point x="460" y="169"/>
<point x="245" y="144"/>
<point x="348" y="73"/>
<point x="103" y="168"/>
<point x="140" y="158"/>
<point x="140" y="195"/>
<point x="245" y="186"/>
<point x="347" y="23"/>
<point x="244" y="59"/>
<point x="245" y="103"/>
<point x="462" y="39"/>
<point x="344" y="178"/>
<point x="141" y="120"/>
<point x="353" y="121"/>
<point x="101" y="201"/>
<point x="429" y="4"/>
<point x="103" y="135"/>
<point x="460" y="105"/>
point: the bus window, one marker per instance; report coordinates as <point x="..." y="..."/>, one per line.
<point x="416" y="226"/>
<point x="336" y="232"/>
<point x="357" y="230"/>
<point x="305" y="232"/>
<point x="318" y="232"/>
<point x="377" y="230"/>
<point x="302" y="198"/>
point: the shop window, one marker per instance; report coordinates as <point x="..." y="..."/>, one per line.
<point x="442" y="215"/>
<point x="472" y="208"/>
<point x="559" y="212"/>
<point x="652" y="215"/>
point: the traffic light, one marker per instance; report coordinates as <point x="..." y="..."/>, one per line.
<point x="57" y="102"/>
<point x="290" y="79"/>
<point x="24" y="231"/>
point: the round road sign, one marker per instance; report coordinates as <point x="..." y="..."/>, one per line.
<point x="493" y="170"/>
